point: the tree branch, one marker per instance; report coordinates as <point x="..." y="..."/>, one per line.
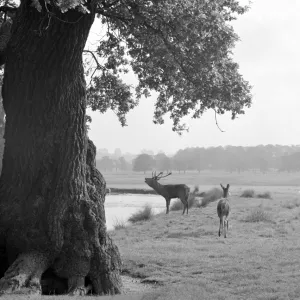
<point x="99" y="67"/>
<point x="217" y="120"/>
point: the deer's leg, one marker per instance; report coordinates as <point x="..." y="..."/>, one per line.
<point x="224" y="227"/>
<point x="187" y="204"/>
<point x="184" y="205"/>
<point x="168" y="205"/>
<point x="220" y="226"/>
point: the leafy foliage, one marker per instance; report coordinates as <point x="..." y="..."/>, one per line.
<point x="109" y="92"/>
<point x="180" y="49"/>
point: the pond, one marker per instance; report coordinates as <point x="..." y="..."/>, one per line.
<point x="121" y="207"/>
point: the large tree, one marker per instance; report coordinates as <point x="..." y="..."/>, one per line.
<point x="52" y="220"/>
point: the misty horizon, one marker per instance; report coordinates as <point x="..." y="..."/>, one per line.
<point x="152" y="152"/>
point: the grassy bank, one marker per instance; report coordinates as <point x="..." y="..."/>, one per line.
<point x="183" y="254"/>
<point x="132" y="191"/>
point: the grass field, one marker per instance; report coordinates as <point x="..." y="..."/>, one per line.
<point x="258" y="260"/>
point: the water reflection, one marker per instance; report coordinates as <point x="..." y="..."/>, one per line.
<point x="121" y="207"/>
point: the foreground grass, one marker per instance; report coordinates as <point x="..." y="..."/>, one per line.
<point x="183" y="254"/>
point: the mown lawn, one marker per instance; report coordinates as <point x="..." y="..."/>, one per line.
<point x="186" y="258"/>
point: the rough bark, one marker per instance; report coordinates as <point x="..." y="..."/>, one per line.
<point x="52" y="218"/>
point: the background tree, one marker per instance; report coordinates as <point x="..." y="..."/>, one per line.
<point x="162" y="162"/>
<point x="179" y="161"/>
<point x="143" y="162"/>
<point x="123" y="164"/>
<point x="105" y="164"/>
<point x="54" y="221"/>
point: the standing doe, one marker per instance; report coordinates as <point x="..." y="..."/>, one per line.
<point x="223" y="210"/>
<point x="170" y="191"/>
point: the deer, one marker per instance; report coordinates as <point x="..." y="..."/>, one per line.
<point x="170" y="191"/>
<point x="223" y="209"/>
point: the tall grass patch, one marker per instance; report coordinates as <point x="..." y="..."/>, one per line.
<point x="144" y="214"/>
<point x="265" y="195"/>
<point x="258" y="215"/>
<point x="292" y="204"/>
<point x="119" y="224"/>
<point x="249" y="193"/>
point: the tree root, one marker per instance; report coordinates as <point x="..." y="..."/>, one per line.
<point x="23" y="276"/>
<point x="77" y="286"/>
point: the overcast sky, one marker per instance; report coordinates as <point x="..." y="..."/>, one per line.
<point x="268" y="55"/>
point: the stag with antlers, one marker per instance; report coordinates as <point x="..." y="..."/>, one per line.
<point x="223" y="210"/>
<point x="170" y="191"/>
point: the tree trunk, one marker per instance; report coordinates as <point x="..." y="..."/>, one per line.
<point x="52" y="218"/>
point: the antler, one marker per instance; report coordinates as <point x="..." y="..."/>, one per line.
<point x="154" y="175"/>
<point x="159" y="176"/>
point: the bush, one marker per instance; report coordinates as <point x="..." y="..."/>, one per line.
<point x="248" y="193"/>
<point x="144" y="214"/>
<point x="210" y="196"/>
<point x="119" y="224"/>
<point x="265" y="195"/>
<point x="258" y="215"/>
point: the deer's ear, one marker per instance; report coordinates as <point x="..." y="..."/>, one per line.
<point x="221" y="186"/>
<point x="228" y="185"/>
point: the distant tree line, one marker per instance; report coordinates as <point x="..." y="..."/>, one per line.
<point x="230" y="158"/>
